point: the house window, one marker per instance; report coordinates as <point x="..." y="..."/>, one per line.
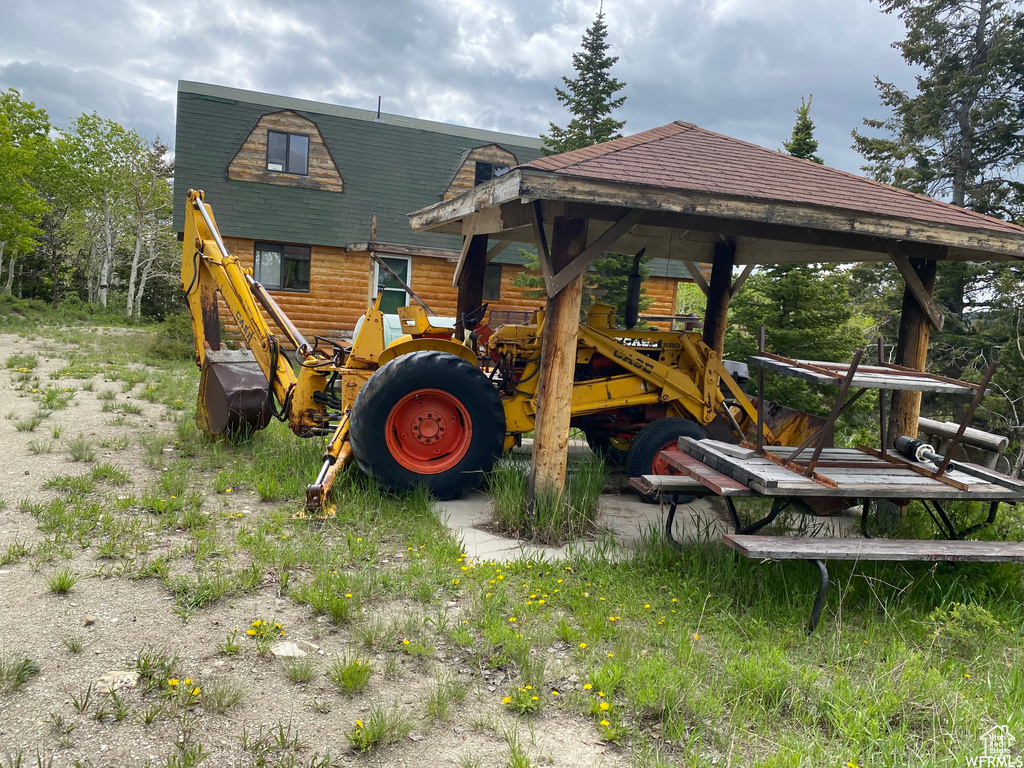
<point x="394" y="294"/>
<point x="492" y="282"/>
<point x="488" y="171"/>
<point x="282" y="267"/>
<point x="287" y="152"/>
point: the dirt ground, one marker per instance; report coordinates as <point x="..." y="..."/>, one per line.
<point x="116" y="618"/>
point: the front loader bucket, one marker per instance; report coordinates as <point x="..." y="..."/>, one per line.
<point x="234" y="395"/>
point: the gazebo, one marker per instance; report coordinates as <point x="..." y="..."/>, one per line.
<point x="699" y="197"/>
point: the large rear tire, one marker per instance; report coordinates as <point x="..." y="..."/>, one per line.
<point x="659" y="435"/>
<point x="427" y="419"/>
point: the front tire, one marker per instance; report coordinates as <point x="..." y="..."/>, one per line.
<point x="655" y="437"/>
<point x="427" y="419"/>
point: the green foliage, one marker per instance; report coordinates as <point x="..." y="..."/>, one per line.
<point x="961" y="134"/>
<point x="802" y="143"/>
<point x="588" y="97"/>
<point x="807" y="314"/>
<point x="607" y="278"/>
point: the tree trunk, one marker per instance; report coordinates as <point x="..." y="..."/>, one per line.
<point x="133" y="275"/>
<point x="106" y="265"/>
<point x="3" y="245"/>
<point x="10" y="274"/>
<point x="146" y="270"/>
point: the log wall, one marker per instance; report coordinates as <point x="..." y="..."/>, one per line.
<point x="341" y="286"/>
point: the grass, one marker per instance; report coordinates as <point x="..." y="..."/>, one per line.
<point x="700" y="659"/>
<point x="350" y="674"/>
<point x="550" y="518"/>
<point x="220" y="694"/>
<point x="15" y="671"/>
<point x="62" y="581"/>
<point x="385" y="724"/>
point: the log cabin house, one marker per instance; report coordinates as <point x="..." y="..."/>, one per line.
<point x="304" y="191"/>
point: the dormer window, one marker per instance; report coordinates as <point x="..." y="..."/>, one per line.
<point x="488" y="171"/>
<point x="288" y="152"/>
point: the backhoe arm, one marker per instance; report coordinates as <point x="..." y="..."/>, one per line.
<point x="230" y="393"/>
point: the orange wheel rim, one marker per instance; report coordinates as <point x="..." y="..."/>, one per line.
<point x="661" y="467"/>
<point x="428" y="431"/>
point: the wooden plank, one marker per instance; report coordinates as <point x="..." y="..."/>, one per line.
<point x="666" y="484"/>
<point x="815" y="548"/>
<point x="719" y="296"/>
<point x="721" y="484"/>
<point x="869" y="379"/>
<point x="698" y="278"/>
<point x="911" y="352"/>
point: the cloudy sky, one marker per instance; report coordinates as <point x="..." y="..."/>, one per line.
<point x="738" y="67"/>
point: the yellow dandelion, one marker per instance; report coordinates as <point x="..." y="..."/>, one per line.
<point x="348" y="594"/>
<point x="512" y="619"/>
<point x="196" y="691"/>
<point x="173" y="682"/>
<point x="605" y="723"/>
<point x="533" y="698"/>
<point x="188" y="681"/>
<point x="227" y="490"/>
<point x="405" y="641"/>
<point x="611" y="655"/>
<point x="555" y="693"/>
<point x="507" y="700"/>
<point x="696" y="636"/>
<point x="359" y="723"/>
<point x="605" y="706"/>
<point x="583" y="645"/>
<point x="587" y="686"/>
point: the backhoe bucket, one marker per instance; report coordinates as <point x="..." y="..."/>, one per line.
<point x="234" y="395"/>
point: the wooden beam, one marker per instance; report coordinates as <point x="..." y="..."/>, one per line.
<point x="913" y="282"/>
<point x="497" y="248"/>
<point x="698" y="278"/>
<point x="540" y="240"/>
<point x="466" y="240"/>
<point x="719" y="295"/>
<point x="557" y="365"/>
<point x="911" y="352"/>
<point x="1000" y="239"/>
<point x="471" y="282"/>
<point x="738" y="284"/>
<point x="594" y="251"/>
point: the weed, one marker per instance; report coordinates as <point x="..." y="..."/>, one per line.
<point x="115" y="443"/>
<point x="82" y="700"/>
<point x="57" y="431"/>
<point x="15" y="551"/>
<point x="15" y="671"/>
<point x="62" y="729"/>
<point x="385" y="724"/>
<point x="550" y="519"/>
<point x="517" y="757"/>
<point x="190" y="756"/>
<point x="61" y="581"/>
<point x="150" y="715"/>
<point x="448" y="689"/>
<point x="230" y="646"/>
<point x="524" y="699"/>
<point x="299" y="670"/>
<point x="38" y="447"/>
<point x="29" y="423"/>
<point x="264" y="633"/>
<point x="155" y="668"/>
<point x="122" y="408"/>
<point x="21" y="360"/>
<point x="350" y="674"/>
<point x="109" y="473"/>
<point x="82" y="448"/>
<point x="74" y="643"/>
<point x="220" y="694"/>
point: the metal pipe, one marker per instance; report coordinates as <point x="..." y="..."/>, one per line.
<point x="278" y="316"/>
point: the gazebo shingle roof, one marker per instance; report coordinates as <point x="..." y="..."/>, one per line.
<point x="683" y="156"/>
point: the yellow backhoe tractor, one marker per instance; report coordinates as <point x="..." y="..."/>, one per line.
<point x="424" y="409"/>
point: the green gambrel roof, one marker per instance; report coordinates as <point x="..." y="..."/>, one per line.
<point x="389" y="168"/>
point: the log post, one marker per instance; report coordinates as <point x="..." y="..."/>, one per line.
<point x="912" y="352"/>
<point x="471" y="282"/>
<point x="557" y="364"/>
<point x="719" y="295"/>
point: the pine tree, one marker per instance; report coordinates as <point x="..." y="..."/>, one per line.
<point x="961" y="135"/>
<point x="802" y="143"/>
<point x="589" y="96"/>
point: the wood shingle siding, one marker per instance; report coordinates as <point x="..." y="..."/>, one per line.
<point x="465" y="176"/>
<point x="250" y="162"/>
